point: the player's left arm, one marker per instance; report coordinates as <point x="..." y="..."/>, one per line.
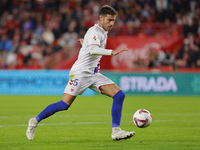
<point x="81" y="41"/>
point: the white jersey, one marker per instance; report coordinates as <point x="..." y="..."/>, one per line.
<point x="89" y="57"/>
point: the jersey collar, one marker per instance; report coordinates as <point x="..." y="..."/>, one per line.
<point x="104" y="31"/>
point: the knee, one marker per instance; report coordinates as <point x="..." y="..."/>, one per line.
<point x="65" y="107"/>
<point x="62" y="105"/>
<point x="120" y="95"/>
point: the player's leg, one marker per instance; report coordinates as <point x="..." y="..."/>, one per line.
<point x="47" y="112"/>
<point x="118" y="96"/>
<point x="64" y="104"/>
<point x="112" y="90"/>
<point x="76" y="85"/>
<point x="107" y="87"/>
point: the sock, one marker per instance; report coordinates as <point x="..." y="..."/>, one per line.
<point x="118" y="100"/>
<point x="51" y="109"/>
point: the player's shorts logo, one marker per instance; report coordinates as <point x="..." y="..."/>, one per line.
<point x="71" y="82"/>
<point x="72" y="89"/>
<point x="74" y="82"/>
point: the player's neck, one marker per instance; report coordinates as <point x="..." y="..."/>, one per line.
<point x="100" y="25"/>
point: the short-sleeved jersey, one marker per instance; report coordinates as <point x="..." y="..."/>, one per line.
<point x="86" y="62"/>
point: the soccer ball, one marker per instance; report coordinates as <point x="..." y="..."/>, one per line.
<point x="142" y="118"/>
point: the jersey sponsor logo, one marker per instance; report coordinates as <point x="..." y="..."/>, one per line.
<point x="95" y="38"/>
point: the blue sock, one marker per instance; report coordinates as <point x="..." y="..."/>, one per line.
<point x="118" y="100"/>
<point x="51" y="109"/>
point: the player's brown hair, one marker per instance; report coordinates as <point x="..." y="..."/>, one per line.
<point x="108" y="10"/>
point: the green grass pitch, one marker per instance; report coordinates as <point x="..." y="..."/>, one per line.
<point x="87" y="123"/>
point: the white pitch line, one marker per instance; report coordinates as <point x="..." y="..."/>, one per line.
<point x="86" y="115"/>
<point x="55" y="124"/>
<point x="75" y="123"/>
<point x="101" y="115"/>
<point x="163" y="120"/>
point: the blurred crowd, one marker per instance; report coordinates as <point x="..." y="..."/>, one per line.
<point x="32" y="30"/>
<point x="188" y="56"/>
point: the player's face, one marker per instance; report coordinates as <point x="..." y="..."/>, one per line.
<point x="107" y="22"/>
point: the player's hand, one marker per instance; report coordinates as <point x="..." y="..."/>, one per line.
<point x="81" y="41"/>
<point x="117" y="51"/>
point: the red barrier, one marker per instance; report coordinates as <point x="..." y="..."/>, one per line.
<point x="139" y="48"/>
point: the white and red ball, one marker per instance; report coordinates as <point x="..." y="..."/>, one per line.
<point x="142" y="118"/>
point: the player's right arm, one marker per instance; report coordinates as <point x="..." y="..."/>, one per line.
<point x="93" y="38"/>
<point x="96" y="50"/>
